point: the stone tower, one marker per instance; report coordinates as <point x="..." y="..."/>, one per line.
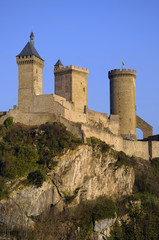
<point x="71" y="83"/>
<point x="122" y="100"/>
<point x="30" y="71"/>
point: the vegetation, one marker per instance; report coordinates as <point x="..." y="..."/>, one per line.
<point x="8" y="123"/>
<point x="97" y="143"/>
<point x="74" y="223"/>
<point x="30" y="151"/>
<point x="142" y="207"/>
<point x="36" y="178"/>
<point x="3" y="191"/>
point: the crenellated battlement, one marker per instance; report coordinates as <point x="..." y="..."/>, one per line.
<point x="121" y="72"/>
<point x="28" y="60"/>
<point x="71" y="67"/>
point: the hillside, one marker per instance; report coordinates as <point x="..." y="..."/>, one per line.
<point x="54" y="187"/>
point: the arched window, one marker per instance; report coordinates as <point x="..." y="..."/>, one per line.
<point x="139" y="133"/>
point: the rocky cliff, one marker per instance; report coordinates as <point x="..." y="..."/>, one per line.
<point x="81" y="174"/>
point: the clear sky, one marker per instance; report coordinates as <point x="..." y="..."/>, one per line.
<point x="98" y="35"/>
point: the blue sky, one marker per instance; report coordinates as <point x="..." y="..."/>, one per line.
<point x="98" y="35"/>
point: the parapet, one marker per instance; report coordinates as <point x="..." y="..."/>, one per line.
<point x="71" y="67"/>
<point x="121" y="72"/>
<point x="28" y="60"/>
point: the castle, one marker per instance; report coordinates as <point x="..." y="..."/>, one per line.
<point x="69" y="104"/>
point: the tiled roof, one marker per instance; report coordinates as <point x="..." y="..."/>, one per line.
<point x="29" y="50"/>
<point x="59" y="63"/>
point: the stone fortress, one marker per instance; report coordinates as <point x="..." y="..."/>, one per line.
<point x="69" y="104"/>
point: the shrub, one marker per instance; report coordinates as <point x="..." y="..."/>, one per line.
<point x="97" y="142"/>
<point x="155" y="163"/>
<point x="3" y="191"/>
<point x="36" y="178"/>
<point x="69" y="198"/>
<point x="8" y="122"/>
<point x="2" y="130"/>
<point x="122" y="159"/>
<point x="101" y="208"/>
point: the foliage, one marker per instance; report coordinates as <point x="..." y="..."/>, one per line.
<point x="8" y="123"/>
<point x="155" y="163"/>
<point x="17" y="161"/>
<point x="24" y="149"/>
<point x="3" y="191"/>
<point x="95" y="142"/>
<point x="3" y="130"/>
<point x="101" y="208"/>
<point x="73" y="223"/>
<point x="142" y="208"/>
<point x="36" y="178"/>
<point x="69" y="198"/>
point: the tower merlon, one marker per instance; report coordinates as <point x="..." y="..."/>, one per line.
<point x="71" y="67"/>
<point x="121" y="72"/>
<point x="29" y="60"/>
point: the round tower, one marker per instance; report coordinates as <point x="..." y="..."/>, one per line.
<point x="122" y="100"/>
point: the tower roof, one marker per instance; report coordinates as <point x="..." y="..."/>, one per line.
<point x="29" y="49"/>
<point x="59" y="63"/>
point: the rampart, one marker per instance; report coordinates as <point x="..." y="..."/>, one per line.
<point x="71" y="67"/>
<point x="132" y="148"/>
<point x="118" y="72"/>
<point x="101" y="120"/>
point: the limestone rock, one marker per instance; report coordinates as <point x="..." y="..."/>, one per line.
<point x="84" y="173"/>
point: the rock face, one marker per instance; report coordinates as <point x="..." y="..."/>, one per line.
<point x="93" y="173"/>
<point x="103" y="228"/>
<point x="83" y="174"/>
<point x="24" y="203"/>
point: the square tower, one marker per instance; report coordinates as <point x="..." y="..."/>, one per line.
<point x="30" y="74"/>
<point x="71" y="83"/>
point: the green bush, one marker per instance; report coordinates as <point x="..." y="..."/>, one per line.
<point x="101" y="208"/>
<point x="97" y="142"/>
<point x="3" y="191"/>
<point x="8" y="122"/>
<point x="36" y="178"/>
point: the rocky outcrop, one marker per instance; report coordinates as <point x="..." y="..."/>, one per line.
<point x="93" y="174"/>
<point x="103" y="228"/>
<point x="82" y="174"/>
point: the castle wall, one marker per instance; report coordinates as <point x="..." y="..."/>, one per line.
<point x="84" y="130"/>
<point x="155" y="149"/>
<point x="43" y="103"/>
<point x="97" y="119"/>
<point x="100" y="120"/>
<point x="29" y="118"/>
<point x="113" y="124"/>
<point x="136" y="148"/>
